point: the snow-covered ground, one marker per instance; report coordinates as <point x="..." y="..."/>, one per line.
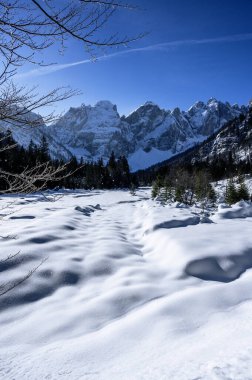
<point x="130" y="289"/>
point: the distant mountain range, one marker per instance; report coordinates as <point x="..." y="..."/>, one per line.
<point x="231" y="143"/>
<point x="147" y="136"/>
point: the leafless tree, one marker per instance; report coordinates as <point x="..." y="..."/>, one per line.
<point x="31" y="26"/>
<point x="9" y="285"/>
<point x="31" y="180"/>
<point x="28" y="28"/>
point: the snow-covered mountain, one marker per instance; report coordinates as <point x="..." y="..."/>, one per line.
<point x="91" y="132"/>
<point x="232" y="143"/>
<point x="233" y="140"/>
<point x="146" y="136"/>
<point x="32" y="127"/>
<point x="162" y="134"/>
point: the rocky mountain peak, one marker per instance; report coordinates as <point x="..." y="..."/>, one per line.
<point x="145" y="114"/>
<point x="212" y="101"/>
<point x="150" y="104"/>
<point x="106" y="105"/>
<point x="176" y="112"/>
<point x="146" y="136"/>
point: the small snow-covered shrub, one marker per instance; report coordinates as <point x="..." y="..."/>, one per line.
<point x="235" y="194"/>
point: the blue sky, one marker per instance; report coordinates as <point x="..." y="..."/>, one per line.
<point x="195" y="49"/>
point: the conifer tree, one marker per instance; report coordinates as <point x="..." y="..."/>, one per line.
<point x="32" y="154"/>
<point x="122" y="172"/>
<point x="179" y="194"/>
<point x="156" y="187"/>
<point x="231" y="195"/>
<point x="132" y="189"/>
<point x="167" y="191"/>
<point x="211" y="193"/>
<point x="43" y="151"/>
<point x="242" y="192"/>
<point x="112" y="169"/>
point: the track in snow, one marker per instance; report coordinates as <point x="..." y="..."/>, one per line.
<point x="112" y="300"/>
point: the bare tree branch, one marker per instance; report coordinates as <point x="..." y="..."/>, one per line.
<point x="27" y="28"/>
<point x="10" y="285"/>
<point x="34" y="25"/>
<point x="17" y="104"/>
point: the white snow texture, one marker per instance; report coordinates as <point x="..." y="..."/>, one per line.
<point x="130" y="289"/>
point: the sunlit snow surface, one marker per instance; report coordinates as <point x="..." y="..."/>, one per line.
<point x="130" y="289"/>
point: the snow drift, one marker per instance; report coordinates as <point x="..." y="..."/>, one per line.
<point x="124" y="292"/>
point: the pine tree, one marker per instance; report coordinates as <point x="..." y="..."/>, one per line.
<point x="43" y="151"/>
<point x="179" y="194"/>
<point x="123" y="172"/>
<point x="167" y="192"/>
<point x="231" y="193"/>
<point x="112" y="166"/>
<point x="211" y="193"/>
<point x="32" y="153"/>
<point x="200" y="192"/>
<point x="240" y="179"/>
<point x="154" y="190"/>
<point x="242" y="192"/>
<point x="132" y="189"/>
<point x="156" y="187"/>
<point x="112" y="162"/>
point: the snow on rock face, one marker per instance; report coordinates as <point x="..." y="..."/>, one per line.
<point x="88" y="130"/>
<point x="23" y="133"/>
<point x="94" y="131"/>
<point x="207" y="118"/>
<point x="107" y="105"/>
<point x="99" y="129"/>
<point x="232" y="142"/>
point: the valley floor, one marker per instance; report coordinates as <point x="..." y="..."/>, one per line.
<point x="129" y="289"/>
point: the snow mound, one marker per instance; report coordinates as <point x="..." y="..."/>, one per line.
<point x="175" y="223"/>
<point x="242" y="209"/>
<point x="222" y="269"/>
<point x="87" y="211"/>
<point x="110" y="301"/>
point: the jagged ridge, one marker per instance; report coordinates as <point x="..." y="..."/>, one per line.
<point x="232" y="142"/>
<point x="146" y="136"/>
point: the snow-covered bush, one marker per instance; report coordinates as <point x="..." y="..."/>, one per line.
<point x="234" y="194"/>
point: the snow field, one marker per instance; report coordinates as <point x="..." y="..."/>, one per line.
<point x="130" y="290"/>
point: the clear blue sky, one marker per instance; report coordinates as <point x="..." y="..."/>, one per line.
<point x="195" y="49"/>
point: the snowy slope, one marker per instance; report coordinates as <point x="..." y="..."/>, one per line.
<point x="232" y="142"/>
<point x="87" y="131"/>
<point x="146" y="136"/>
<point x="32" y="127"/>
<point x="149" y="132"/>
<point x="130" y="290"/>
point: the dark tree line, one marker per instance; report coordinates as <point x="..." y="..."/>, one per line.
<point x="114" y="174"/>
<point x="223" y="164"/>
<point x="197" y="186"/>
<point x="184" y="187"/>
<point x="218" y="168"/>
<point x="88" y="175"/>
<point x="236" y="192"/>
<point x="28" y="28"/>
